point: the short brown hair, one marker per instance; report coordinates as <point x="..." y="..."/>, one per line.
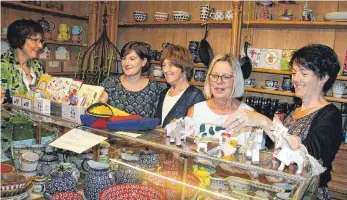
<point x="141" y="50"/>
<point x="180" y="57"/>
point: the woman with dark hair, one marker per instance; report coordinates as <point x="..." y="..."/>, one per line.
<point x="132" y="92"/>
<point x="316" y="123"/>
<point x="20" y="69"/>
<point x="174" y="101"/>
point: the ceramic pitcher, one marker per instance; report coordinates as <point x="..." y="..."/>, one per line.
<point x="61" y="181"/>
<point x="98" y="178"/>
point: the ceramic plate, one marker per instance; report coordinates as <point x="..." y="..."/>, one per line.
<point x="283" y="195"/>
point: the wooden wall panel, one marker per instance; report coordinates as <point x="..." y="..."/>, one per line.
<point x="219" y="37"/>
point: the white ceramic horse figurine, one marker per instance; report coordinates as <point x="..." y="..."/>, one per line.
<point x="179" y="130"/>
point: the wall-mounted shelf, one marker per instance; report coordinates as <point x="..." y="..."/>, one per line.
<point x="257" y="90"/>
<point x="188" y="23"/>
<point x="156" y="62"/>
<point x="295" y="24"/>
<point x="23" y="6"/>
<point x="291" y="94"/>
<point x="4" y="36"/>
<point x="61" y="73"/>
<point x="274" y="71"/>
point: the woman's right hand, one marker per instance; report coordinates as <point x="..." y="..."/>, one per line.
<point x="238" y="120"/>
<point x="3" y="93"/>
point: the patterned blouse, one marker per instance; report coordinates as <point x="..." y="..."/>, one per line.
<point x="299" y="127"/>
<point x="12" y="73"/>
<point x="142" y="102"/>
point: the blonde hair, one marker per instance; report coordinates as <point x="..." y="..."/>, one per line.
<point x="238" y="82"/>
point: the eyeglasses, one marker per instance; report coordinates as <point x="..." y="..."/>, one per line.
<point x="38" y="40"/>
<point x="225" y="78"/>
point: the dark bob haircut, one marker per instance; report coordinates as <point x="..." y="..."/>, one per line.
<point x="19" y="30"/>
<point x="180" y="57"/>
<point x="320" y="59"/>
<point x="141" y="49"/>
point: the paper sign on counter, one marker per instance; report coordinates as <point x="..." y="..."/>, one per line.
<point x="77" y="140"/>
<point x="128" y="134"/>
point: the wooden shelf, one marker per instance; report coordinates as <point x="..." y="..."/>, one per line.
<point x="188" y="23"/>
<point x="295" y="24"/>
<point x="4" y="36"/>
<point x="290" y="94"/>
<point x="257" y="90"/>
<point x="199" y="65"/>
<point x="274" y="71"/>
<point x="23" y="6"/>
<point x="61" y="73"/>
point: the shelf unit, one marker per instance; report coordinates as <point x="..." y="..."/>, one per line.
<point x="257" y="90"/>
<point x="3" y="36"/>
<point x="295" y="24"/>
<point x="187" y="23"/>
<point x="274" y="71"/>
<point x="61" y="73"/>
<point x="24" y="6"/>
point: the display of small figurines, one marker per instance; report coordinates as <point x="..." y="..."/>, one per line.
<point x="287" y="13"/>
<point x="178" y="130"/>
<point x="306" y="13"/>
<point x="263" y="10"/>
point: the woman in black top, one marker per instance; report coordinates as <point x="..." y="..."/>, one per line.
<point x="316" y="123"/>
<point x="174" y="102"/>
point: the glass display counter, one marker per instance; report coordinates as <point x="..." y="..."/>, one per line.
<point x="179" y="172"/>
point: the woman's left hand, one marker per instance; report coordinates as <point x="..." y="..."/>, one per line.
<point x="236" y="121"/>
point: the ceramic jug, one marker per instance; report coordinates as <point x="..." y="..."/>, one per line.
<point x="61" y="181"/>
<point x="39" y="184"/>
<point x="47" y="26"/>
<point x="72" y="168"/>
<point x="47" y="163"/>
<point x="76" y="30"/>
<point x="98" y="178"/>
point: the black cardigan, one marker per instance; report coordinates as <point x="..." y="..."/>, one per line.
<point x="324" y="138"/>
<point x="191" y="96"/>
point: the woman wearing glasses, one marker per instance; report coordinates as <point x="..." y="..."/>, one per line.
<point x="20" y="69"/>
<point x="174" y="101"/>
<point x="224" y="83"/>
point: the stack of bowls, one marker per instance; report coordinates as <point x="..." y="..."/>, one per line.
<point x="140" y="16"/>
<point x="181" y="16"/>
<point x="161" y="16"/>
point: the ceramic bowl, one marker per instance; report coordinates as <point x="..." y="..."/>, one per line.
<point x="67" y="196"/>
<point x="125" y="191"/>
<point x="7" y="169"/>
<point x="27" y="173"/>
<point x="238" y="184"/>
<point x="21" y="193"/>
<point x="148" y="159"/>
<point x="218" y="184"/>
<point x="13" y="181"/>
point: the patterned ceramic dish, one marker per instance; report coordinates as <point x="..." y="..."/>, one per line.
<point x="210" y="169"/>
<point x="67" y="196"/>
<point x="218" y="183"/>
<point x="7" y="169"/>
<point x="16" y="194"/>
<point x="12" y="181"/>
<point x="238" y="184"/>
<point x="143" y="191"/>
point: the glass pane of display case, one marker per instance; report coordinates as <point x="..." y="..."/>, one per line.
<point x="147" y="161"/>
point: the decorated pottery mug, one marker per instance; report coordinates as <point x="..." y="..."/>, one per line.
<point x="76" y="30"/>
<point x="76" y="38"/>
<point x="218" y="15"/>
<point x="63" y="28"/>
<point x="28" y="161"/>
<point x="229" y="15"/>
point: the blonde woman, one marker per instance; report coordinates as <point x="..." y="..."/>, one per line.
<point x="224" y="83"/>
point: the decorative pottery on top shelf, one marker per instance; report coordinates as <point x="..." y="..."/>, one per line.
<point x="140" y="16"/>
<point x="181" y="16"/>
<point x="161" y="16"/>
<point x="97" y="179"/>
